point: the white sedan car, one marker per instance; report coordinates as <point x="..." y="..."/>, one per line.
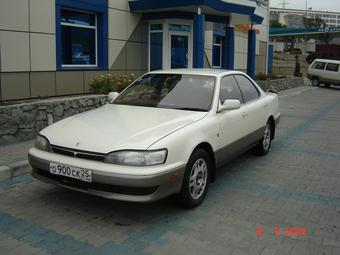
<point x="167" y="133"/>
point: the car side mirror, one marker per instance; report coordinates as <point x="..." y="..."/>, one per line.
<point x="112" y="96"/>
<point x="229" y="104"/>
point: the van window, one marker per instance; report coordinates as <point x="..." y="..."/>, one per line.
<point x="319" y="65"/>
<point x="332" y="67"/>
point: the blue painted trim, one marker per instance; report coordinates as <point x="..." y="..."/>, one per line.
<point x="219" y="32"/>
<point x="88" y="5"/>
<point x="251" y="58"/>
<point x="184" y="15"/>
<point x="103" y="40"/>
<point x="168" y="15"/>
<point x="199" y="28"/>
<point x="273" y="31"/>
<point x="257" y="19"/>
<point x="143" y="5"/>
<point x="228" y="52"/>
<point x="101" y="8"/>
<point x="58" y="36"/>
<point x="270" y="58"/>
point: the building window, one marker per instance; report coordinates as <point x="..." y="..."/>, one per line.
<point x="179" y="28"/>
<point x="217" y="51"/>
<point x="79" y="39"/>
<point x="81" y="35"/>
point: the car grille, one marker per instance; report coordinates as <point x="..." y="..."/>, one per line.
<point x="134" y="191"/>
<point x="78" y="153"/>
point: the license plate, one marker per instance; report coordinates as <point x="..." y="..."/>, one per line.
<point x="70" y="171"/>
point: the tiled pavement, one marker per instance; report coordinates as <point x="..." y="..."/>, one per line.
<point x="296" y="185"/>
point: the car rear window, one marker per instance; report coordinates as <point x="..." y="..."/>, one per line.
<point x="332" y="67"/>
<point x="319" y="65"/>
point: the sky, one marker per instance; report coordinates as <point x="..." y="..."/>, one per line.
<point x="317" y="5"/>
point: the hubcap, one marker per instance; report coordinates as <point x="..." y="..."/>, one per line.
<point x="266" y="138"/>
<point x="198" y="178"/>
<point x="315" y="82"/>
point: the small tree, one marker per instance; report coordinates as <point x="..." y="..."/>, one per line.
<point x="276" y="23"/>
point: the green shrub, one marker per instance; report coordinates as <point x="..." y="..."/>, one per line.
<point x="107" y="83"/>
<point x="263" y="77"/>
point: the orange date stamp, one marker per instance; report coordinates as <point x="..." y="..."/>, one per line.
<point x="290" y="231"/>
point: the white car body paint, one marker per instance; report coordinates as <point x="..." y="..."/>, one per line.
<point x="120" y="127"/>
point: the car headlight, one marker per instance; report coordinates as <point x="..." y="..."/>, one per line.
<point x="137" y="158"/>
<point x="42" y="143"/>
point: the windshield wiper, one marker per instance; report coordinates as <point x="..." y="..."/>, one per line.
<point x="190" y="109"/>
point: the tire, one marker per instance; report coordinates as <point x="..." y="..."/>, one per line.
<point x="327" y="85"/>
<point x="196" y="179"/>
<point x="263" y="146"/>
<point x="315" y="82"/>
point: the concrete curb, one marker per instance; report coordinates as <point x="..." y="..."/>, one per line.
<point x="14" y="169"/>
<point x="5" y="173"/>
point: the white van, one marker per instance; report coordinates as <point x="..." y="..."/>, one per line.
<point x="324" y="71"/>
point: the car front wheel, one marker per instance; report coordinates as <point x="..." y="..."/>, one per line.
<point x="264" y="144"/>
<point x="196" y="179"/>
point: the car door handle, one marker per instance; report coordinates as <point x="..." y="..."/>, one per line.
<point x="245" y="115"/>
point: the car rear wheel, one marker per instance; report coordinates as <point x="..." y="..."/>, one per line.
<point x="264" y="144"/>
<point x="196" y="179"/>
<point x="315" y="82"/>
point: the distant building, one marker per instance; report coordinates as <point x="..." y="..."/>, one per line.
<point x="294" y="18"/>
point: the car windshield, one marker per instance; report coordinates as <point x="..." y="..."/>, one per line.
<point x="174" y="91"/>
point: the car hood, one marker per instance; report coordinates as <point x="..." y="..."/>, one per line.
<point x="118" y="127"/>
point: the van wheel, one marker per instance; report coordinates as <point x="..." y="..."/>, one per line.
<point x="196" y="179"/>
<point x="315" y="82"/>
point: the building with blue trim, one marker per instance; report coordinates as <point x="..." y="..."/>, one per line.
<point x="55" y="47"/>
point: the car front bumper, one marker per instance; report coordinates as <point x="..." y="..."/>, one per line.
<point x="139" y="184"/>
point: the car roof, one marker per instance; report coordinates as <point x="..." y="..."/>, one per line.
<point x="198" y="71"/>
<point x="327" y="61"/>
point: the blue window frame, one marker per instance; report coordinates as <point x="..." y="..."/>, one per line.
<point x="179" y="28"/>
<point x="156" y="51"/>
<point x="81" y="34"/>
<point x="217" y="51"/>
<point x="156" y="47"/>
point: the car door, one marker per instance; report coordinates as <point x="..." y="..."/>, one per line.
<point x="256" y="108"/>
<point x="332" y="73"/>
<point x="232" y="124"/>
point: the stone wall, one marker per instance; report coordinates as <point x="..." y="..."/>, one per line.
<point x="23" y="121"/>
<point x="282" y="84"/>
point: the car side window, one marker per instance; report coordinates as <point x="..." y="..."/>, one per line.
<point x="230" y="89"/>
<point x="248" y="89"/>
<point x="319" y="65"/>
<point x="332" y="67"/>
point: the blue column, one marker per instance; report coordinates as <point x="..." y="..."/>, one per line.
<point x="270" y="58"/>
<point x="199" y="27"/>
<point x="251" y="59"/>
<point x="228" y="55"/>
